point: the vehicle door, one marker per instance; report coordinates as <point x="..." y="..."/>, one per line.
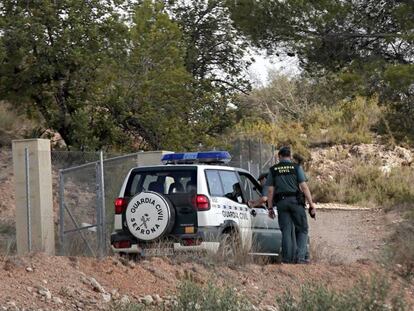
<point x="224" y="186"/>
<point x="266" y="234"/>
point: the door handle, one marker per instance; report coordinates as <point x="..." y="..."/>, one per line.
<point x="253" y="213"/>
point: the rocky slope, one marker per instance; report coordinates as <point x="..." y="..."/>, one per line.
<point x="331" y="161"/>
<point x="59" y="283"/>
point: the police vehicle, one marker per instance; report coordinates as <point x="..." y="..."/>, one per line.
<point x="194" y="202"/>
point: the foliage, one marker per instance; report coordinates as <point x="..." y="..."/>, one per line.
<point x="209" y="297"/>
<point x="216" y="57"/>
<point x="150" y="90"/>
<point x="367" y="184"/>
<point x="345" y="122"/>
<point x="331" y="34"/>
<point x="365" y="47"/>
<point x="375" y="295"/>
<point x="103" y="79"/>
<point x="215" y="51"/>
<point x="52" y="53"/>
<point x="401" y="248"/>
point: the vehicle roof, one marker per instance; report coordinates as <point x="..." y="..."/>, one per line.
<point x="202" y="166"/>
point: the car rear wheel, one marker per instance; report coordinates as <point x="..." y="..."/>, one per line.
<point x="230" y="246"/>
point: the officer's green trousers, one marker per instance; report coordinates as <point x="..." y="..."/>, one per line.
<point x="292" y="215"/>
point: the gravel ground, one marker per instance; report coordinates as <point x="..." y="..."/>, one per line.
<point x="345" y="236"/>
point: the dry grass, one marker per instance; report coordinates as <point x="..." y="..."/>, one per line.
<point x="366" y="184"/>
<point x="401" y="246"/>
<point x="321" y="253"/>
<point x="368" y="294"/>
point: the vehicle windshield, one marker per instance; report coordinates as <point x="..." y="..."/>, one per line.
<point x="170" y="182"/>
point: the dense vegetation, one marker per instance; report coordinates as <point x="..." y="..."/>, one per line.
<point x="369" y="294"/>
<point x="172" y="74"/>
<point x="121" y="75"/>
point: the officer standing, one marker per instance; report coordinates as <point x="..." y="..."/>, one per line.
<point x="286" y="181"/>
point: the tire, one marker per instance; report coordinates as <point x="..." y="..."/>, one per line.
<point x="229" y="246"/>
<point x="149" y="216"/>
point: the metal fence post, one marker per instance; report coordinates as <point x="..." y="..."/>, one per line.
<point x="260" y="155"/>
<point x="103" y="207"/>
<point x="98" y="208"/>
<point x="62" y="212"/>
<point x="27" y="181"/>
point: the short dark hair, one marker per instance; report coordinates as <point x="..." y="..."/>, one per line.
<point x="262" y="175"/>
<point x="284" y="152"/>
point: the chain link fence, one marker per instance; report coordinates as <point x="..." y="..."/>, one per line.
<point x="86" y="186"/>
<point x="252" y="155"/>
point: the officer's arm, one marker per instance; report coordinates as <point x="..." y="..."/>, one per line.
<point x="270" y="192"/>
<point x="305" y="189"/>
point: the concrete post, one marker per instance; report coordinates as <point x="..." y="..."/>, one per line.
<point x="40" y="196"/>
<point x="150" y="157"/>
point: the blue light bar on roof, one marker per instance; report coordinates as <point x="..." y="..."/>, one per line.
<point x="197" y="157"/>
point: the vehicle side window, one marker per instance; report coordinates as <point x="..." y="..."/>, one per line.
<point x="214" y="183"/>
<point x="249" y="187"/>
<point x="231" y="186"/>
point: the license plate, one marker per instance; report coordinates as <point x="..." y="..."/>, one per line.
<point x="157" y="252"/>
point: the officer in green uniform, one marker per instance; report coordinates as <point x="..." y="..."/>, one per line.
<point x="287" y="183"/>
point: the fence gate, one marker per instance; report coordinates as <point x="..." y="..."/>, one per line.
<point x="82" y="210"/>
<point x="86" y="196"/>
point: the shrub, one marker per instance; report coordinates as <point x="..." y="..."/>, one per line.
<point x="7" y="118"/>
<point x="374" y="295"/>
<point x="345" y="122"/>
<point x="192" y="296"/>
<point x="401" y="246"/>
<point x="195" y="297"/>
<point x="367" y="184"/>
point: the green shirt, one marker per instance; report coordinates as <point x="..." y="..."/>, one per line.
<point x="285" y="177"/>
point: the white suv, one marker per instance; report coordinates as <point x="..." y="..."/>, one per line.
<point x="193" y="202"/>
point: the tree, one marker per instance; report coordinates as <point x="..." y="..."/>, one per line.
<point x="52" y="55"/>
<point x="150" y="92"/>
<point x="216" y="53"/>
<point x="330" y="33"/>
<point x="366" y="46"/>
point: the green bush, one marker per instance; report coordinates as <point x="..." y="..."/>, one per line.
<point x="192" y="296"/>
<point x="348" y="122"/>
<point x="374" y="295"/>
<point x="209" y="298"/>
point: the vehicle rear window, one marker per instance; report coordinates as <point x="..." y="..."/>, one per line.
<point x="214" y="183"/>
<point x="162" y="181"/>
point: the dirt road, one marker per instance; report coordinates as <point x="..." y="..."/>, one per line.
<point x="346" y="236"/>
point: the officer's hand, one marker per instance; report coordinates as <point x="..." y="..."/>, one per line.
<point x="272" y="213"/>
<point x="312" y="210"/>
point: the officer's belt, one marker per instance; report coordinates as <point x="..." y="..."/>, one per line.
<point x="287" y="194"/>
<point x="279" y="196"/>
